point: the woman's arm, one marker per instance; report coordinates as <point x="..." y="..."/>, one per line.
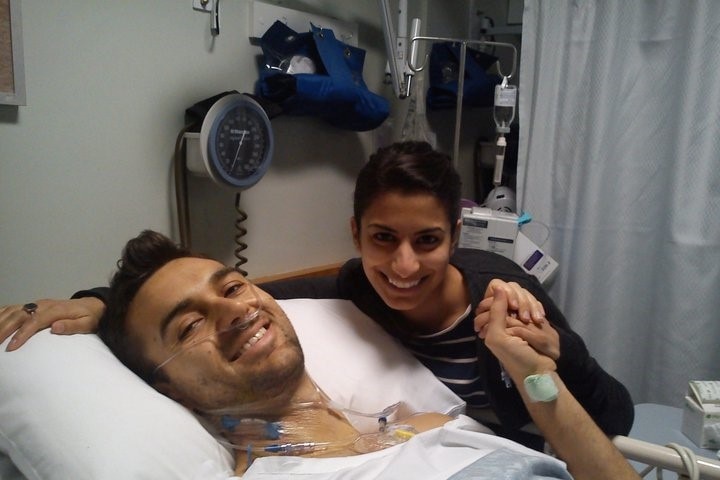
<point x="64" y="317"/>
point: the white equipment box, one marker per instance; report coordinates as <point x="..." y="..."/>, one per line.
<point x="486" y="229"/>
<point x="495" y="231"/>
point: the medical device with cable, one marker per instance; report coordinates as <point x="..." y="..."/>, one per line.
<point x="497" y="231"/>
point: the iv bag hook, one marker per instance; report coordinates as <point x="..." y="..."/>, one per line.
<point x="463" y="49"/>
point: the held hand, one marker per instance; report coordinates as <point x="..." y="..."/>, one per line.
<point x="64" y="317"/>
<point x="542" y="337"/>
<point x="539" y="333"/>
<point x="515" y="353"/>
<point x="521" y="301"/>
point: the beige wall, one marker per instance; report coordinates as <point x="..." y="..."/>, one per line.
<point x="87" y="163"/>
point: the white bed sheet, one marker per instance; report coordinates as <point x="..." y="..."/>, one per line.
<point x="457" y="451"/>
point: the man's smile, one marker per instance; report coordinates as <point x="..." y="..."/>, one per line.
<point x="254" y="339"/>
<point x="251" y="338"/>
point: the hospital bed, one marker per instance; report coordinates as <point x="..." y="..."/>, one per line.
<point x="69" y="409"/>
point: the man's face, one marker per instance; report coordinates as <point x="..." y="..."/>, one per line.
<point x="190" y="298"/>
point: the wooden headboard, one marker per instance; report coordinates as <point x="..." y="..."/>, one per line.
<point x="320" y="271"/>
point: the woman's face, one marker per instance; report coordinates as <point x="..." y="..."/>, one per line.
<point x="405" y="244"/>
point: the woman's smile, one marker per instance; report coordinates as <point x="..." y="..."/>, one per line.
<point x="403" y="284"/>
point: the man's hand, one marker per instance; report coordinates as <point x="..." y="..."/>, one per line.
<point x="527" y="317"/>
<point x="64" y="317"/>
<point x="515" y="353"/>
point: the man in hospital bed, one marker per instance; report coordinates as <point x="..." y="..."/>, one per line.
<point x="198" y="332"/>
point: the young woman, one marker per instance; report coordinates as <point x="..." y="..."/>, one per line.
<point x="433" y="297"/>
<point x="412" y="279"/>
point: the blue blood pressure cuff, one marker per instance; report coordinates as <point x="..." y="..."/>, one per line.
<point x="313" y="73"/>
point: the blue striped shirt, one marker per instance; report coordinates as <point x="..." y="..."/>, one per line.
<point x="452" y="356"/>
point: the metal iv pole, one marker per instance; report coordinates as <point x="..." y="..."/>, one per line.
<point x="461" y="70"/>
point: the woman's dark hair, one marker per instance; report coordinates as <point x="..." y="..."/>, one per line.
<point x="141" y="258"/>
<point x="409" y="168"/>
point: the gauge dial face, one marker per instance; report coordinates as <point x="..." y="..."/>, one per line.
<point x="242" y="140"/>
<point x="239" y="142"/>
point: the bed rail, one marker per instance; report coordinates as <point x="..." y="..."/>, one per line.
<point x="663" y="457"/>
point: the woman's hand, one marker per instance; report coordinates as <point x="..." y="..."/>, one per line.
<point x="64" y="317"/>
<point x="516" y="354"/>
<point x="526" y="317"/>
<point x="520" y="301"/>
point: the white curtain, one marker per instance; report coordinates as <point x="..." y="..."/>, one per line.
<point x="619" y="156"/>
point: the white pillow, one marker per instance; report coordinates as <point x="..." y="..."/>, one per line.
<point x="69" y="409"/>
<point x="360" y="366"/>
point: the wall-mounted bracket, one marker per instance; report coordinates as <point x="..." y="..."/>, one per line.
<point x="203" y="5"/>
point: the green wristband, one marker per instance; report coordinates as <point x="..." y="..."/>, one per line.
<point x="541" y="388"/>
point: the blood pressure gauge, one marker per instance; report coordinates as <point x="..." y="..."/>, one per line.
<point x="235" y="142"/>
